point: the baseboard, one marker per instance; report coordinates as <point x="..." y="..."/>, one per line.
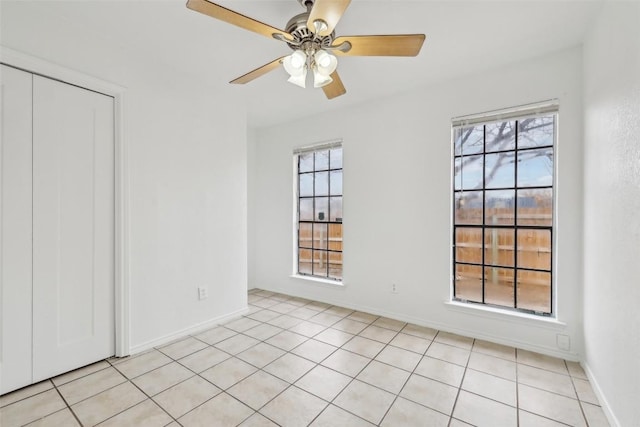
<point x="197" y="328"/>
<point x="604" y="403"/>
<point x="549" y="351"/>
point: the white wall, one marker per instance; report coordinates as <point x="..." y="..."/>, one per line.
<point x="611" y="209"/>
<point x="186" y="145"/>
<point x="252" y="140"/>
<point x="397" y="208"/>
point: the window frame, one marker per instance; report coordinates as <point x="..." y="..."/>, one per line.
<point x="327" y="277"/>
<point x="515" y="115"/>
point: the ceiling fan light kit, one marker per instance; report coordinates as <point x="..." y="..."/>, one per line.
<point x="311" y="36"/>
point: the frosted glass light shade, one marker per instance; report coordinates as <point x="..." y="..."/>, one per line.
<point x="300" y="79"/>
<point x="295" y="63"/>
<point x="326" y="63"/>
<point x="320" y="79"/>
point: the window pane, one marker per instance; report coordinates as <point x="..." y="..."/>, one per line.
<point x="306" y="209"/>
<point x="305" y="162"/>
<point x="535" y="168"/>
<point x="322" y="183"/>
<point x="535" y="207"/>
<point x="500" y="170"/>
<point x="498" y="247"/>
<point x="468" y="140"/>
<point x="468" y="207"/>
<point x="304" y="261"/>
<point x="322" y="209"/>
<point x="499" y="207"/>
<point x="501" y="136"/>
<point x="304" y="235"/>
<point x="336" y="158"/>
<point x="335" y="265"/>
<point x="335" y="237"/>
<point x="534" y="291"/>
<point x="320" y="236"/>
<point x="536" y="132"/>
<point x="336" y="183"/>
<point x="320" y="263"/>
<point x="498" y="286"/>
<point x="336" y="209"/>
<point x="322" y="160"/>
<point x="468" y="284"/>
<point x="468" y="173"/>
<point x="534" y="249"/>
<point x="306" y="184"/>
<point x="469" y="245"/>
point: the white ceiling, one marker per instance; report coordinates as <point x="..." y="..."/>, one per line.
<point x="463" y="37"/>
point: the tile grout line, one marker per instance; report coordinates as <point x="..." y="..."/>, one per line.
<point x="464" y="374"/>
<point x="575" y="390"/>
<point x="26" y="397"/>
<point x="66" y="403"/>
<point x="354" y="377"/>
<point x="363" y="368"/>
<point x="143" y="392"/>
<point x="397" y="395"/>
<point x="546" y="418"/>
<point x="93" y="395"/>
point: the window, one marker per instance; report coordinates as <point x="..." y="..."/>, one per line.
<point x="503" y="209"/>
<point x="319" y="218"/>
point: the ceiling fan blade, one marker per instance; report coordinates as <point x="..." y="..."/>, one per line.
<point x="260" y="71"/>
<point x="335" y="88"/>
<point x="381" y="45"/>
<point x="235" y="18"/>
<point x="328" y="11"/>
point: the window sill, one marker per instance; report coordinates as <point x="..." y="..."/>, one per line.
<point x="496" y="313"/>
<point x="318" y="280"/>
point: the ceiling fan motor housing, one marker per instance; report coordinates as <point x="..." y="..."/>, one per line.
<point x="303" y="37"/>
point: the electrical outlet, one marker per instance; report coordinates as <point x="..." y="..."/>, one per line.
<point x="202" y="293"/>
<point x="394" y="288"/>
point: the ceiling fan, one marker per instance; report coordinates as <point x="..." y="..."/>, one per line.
<point x="315" y="47"/>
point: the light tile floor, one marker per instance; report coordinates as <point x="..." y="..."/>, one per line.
<point x="295" y="362"/>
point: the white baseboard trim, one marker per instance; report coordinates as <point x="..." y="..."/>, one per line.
<point x="191" y="330"/>
<point x="549" y="351"/>
<point x="604" y="403"/>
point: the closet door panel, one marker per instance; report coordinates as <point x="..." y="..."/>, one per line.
<point x="73" y="227"/>
<point x="15" y="229"/>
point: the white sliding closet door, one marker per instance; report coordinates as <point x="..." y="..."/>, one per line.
<point x="73" y="227"/>
<point x="15" y="229"/>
